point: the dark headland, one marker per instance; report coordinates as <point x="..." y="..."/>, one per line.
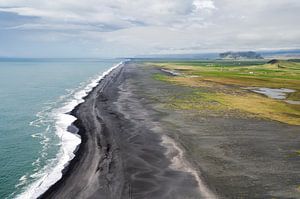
<point x="133" y="147"/>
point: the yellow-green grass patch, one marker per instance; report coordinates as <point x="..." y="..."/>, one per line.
<point x="226" y="91"/>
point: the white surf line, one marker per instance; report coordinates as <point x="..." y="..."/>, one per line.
<point x="69" y="141"/>
<point x="179" y="163"/>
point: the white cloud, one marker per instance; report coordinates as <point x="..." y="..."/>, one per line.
<point x="205" y="4"/>
<point x="144" y="26"/>
<point x="118" y="13"/>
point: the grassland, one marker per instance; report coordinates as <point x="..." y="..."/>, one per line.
<point x="221" y="86"/>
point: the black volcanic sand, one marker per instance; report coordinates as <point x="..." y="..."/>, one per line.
<point x="120" y="156"/>
<point x="122" y="123"/>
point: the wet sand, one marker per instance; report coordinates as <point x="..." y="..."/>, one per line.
<point x="133" y="147"/>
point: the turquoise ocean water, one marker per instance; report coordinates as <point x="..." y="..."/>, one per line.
<point x="35" y="94"/>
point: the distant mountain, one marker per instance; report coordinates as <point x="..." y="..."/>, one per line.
<point x="281" y="54"/>
<point x="180" y="56"/>
<point x="240" y="55"/>
<point x="273" y="61"/>
<point x="259" y="54"/>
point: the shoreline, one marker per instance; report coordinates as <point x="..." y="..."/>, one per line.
<point x="126" y="151"/>
<point x="125" y="123"/>
<point x="120" y="156"/>
<point x="79" y="151"/>
<point x="74" y="128"/>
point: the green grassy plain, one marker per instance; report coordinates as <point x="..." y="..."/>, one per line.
<point x="224" y="83"/>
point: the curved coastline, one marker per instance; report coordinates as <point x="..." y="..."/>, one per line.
<point x="133" y="148"/>
<point x="81" y="148"/>
<point x="66" y="123"/>
<point x="122" y="154"/>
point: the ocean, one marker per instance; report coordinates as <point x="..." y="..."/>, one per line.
<point x="36" y="95"/>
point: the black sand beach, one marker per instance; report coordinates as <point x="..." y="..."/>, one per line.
<point x="132" y="147"/>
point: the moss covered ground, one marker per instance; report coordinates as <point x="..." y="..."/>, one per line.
<point x="222" y="86"/>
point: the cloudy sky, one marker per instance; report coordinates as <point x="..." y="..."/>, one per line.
<point x="108" y="28"/>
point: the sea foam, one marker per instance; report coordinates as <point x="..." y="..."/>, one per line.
<point x="69" y="142"/>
